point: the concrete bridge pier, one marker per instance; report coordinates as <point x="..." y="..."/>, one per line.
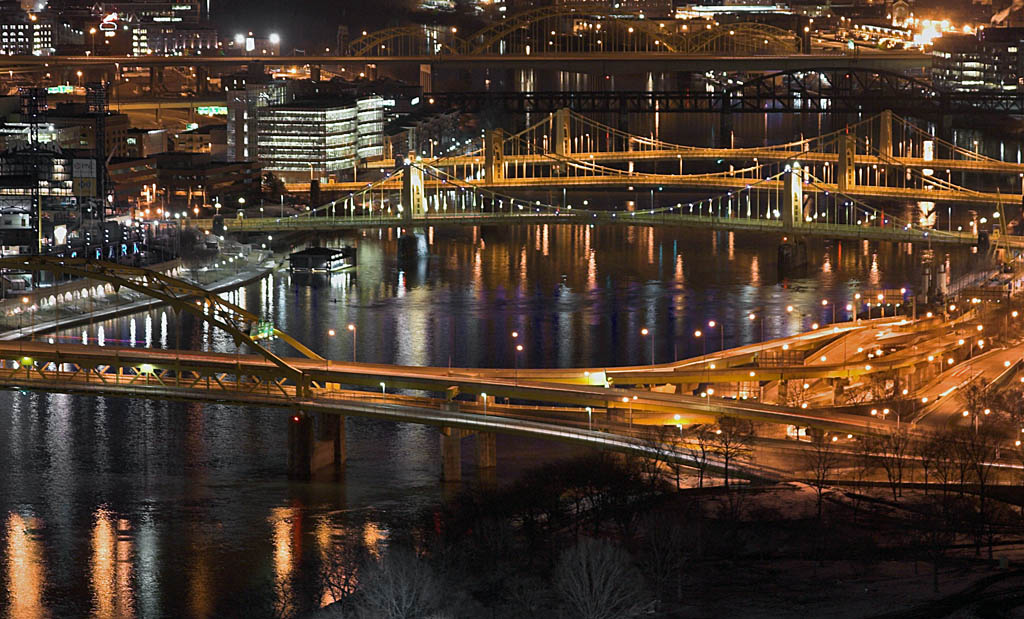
<point x="725" y="129"/>
<point x="329" y="449"/>
<point x="300" y="446"/>
<point x="487" y="457"/>
<point x="156" y="79"/>
<point x="451" y="454"/>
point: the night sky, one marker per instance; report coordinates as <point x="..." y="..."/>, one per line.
<point x="304" y="23"/>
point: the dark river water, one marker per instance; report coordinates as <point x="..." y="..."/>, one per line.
<point x="116" y="507"/>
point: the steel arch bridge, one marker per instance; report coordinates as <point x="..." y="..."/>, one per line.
<point x="559" y="30"/>
<point x="828" y="89"/>
<point x="180" y="295"/>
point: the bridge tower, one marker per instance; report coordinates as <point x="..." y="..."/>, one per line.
<point x="562" y="133"/>
<point x="413" y="201"/>
<point x="846" y="171"/>
<point x="793" y="197"/>
<point x="494" y="156"/>
<point x="885" y="133"/>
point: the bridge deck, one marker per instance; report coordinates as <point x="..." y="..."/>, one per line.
<point x="640" y="218"/>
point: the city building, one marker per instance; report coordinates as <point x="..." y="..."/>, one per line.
<point x="76" y="127"/>
<point x="370" y="127"/>
<point x="17" y="32"/>
<point x="165" y="39"/>
<point x="992" y="59"/>
<point x="321" y="138"/>
<point x="182" y="181"/>
<point x="246" y="96"/>
<point x="141" y="143"/>
<point x="425" y="132"/>
<point x="308" y="139"/>
<point x="210" y="139"/>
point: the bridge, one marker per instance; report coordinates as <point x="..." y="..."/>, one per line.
<point x="608" y="408"/>
<point x="817" y="186"/>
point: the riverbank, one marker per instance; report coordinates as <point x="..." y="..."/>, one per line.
<point x="226" y="275"/>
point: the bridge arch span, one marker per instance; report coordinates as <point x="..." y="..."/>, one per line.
<point x="814" y="86"/>
<point x="413" y="40"/>
<point x="180" y="295"/>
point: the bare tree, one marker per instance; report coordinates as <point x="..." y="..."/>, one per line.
<point x="398" y="586"/>
<point x="891" y="450"/>
<point x="978" y="448"/>
<point x="822" y="461"/>
<point x="664" y="552"/>
<point x="704" y="437"/>
<point x="732" y="441"/>
<point x="597" y="580"/>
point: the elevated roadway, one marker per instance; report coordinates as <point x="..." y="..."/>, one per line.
<point x="590" y="62"/>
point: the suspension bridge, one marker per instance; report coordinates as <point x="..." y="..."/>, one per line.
<point x="827" y="185"/>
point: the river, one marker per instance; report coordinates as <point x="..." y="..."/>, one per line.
<point x="115" y="507"/>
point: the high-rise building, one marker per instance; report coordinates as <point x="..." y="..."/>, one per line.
<point x="370" y="127"/>
<point x="246" y="97"/>
<point x="993" y="59"/>
<point x="322" y="139"/>
<point x="308" y="139"/>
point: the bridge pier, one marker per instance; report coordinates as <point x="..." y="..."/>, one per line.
<point x="793" y="197"/>
<point x="725" y="130"/>
<point x="451" y="454"/>
<point x="329" y="449"/>
<point x="487" y="457"/>
<point x="300" y="446"/>
<point x="413" y="201"/>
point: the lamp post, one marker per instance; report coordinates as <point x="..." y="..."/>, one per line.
<point x="21" y="316"/>
<point x="519" y="349"/>
<point x="590" y="419"/>
<point x="753" y="316"/>
<point x="484" y="396"/>
<point x="327" y="361"/>
<point x="825" y="303"/>
<point x="645" y="332"/>
<point x="721" y="332"/>
<point x="352" y="328"/>
<point x="383" y="389"/>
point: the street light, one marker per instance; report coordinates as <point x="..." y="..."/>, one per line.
<point x="352" y="328"/>
<point x="721" y="332"/>
<point x="383" y="389"/>
<point x="484" y="396"/>
<point x="590" y="419"/>
<point x="645" y="332"/>
<point x="824" y="303"/>
<point x="519" y="349"/>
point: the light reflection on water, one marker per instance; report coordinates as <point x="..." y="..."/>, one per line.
<point x="115" y="507"/>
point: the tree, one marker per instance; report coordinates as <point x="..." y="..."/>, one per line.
<point x="732" y="440"/>
<point x="597" y="580"/>
<point x="891" y="449"/>
<point x="272" y="187"/>
<point x="398" y="586"/>
<point x="664" y="553"/>
<point x="704" y="436"/>
<point x="822" y="461"/>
